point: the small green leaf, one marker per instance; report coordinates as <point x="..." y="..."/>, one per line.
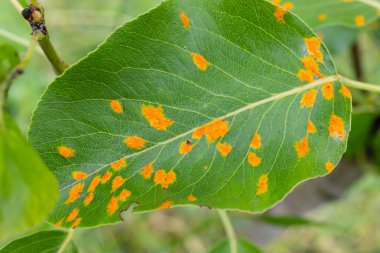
<point x="286" y="221"/>
<point x="28" y="189"/>
<point x="228" y="104"/>
<point x="244" y="246"/>
<point x="44" y="241"/>
<point x="356" y="13"/>
<point x="8" y="60"/>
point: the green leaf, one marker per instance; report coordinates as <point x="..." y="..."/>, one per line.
<point x="28" y="189"/>
<point x="8" y="60"/>
<point x="196" y="102"/>
<point x="44" y="241"/>
<point x="286" y="221"/>
<point x="356" y="13"/>
<point x="244" y="246"/>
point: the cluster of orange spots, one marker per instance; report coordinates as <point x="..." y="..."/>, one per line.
<point x="262" y="185"/>
<point x="94" y="183"/>
<point x="156" y="117"/>
<point x="256" y="141"/>
<point x="107" y="176"/>
<point x="191" y="198"/>
<point x="199" y="132"/>
<point x="311" y="128"/>
<point x="305" y="75"/>
<point x="253" y="159"/>
<point x="322" y="17"/>
<point x="66" y="152"/>
<point x="199" y="61"/>
<point x="185" y="147"/>
<point x="302" y="147"/>
<point x="224" y="148"/>
<point x="135" y="142"/>
<point x="164" y="179"/>
<point x="329" y="166"/>
<point x="360" y="20"/>
<point x="313" y="46"/>
<point x="147" y="171"/>
<point x="78" y="175"/>
<point x="336" y="127"/>
<point x="76" y="223"/>
<point x="345" y="92"/>
<point x="117" y="182"/>
<point x="328" y="91"/>
<point x="213" y="130"/>
<point x="279" y="13"/>
<point x="74" y="213"/>
<point x="88" y="199"/>
<point x="74" y="193"/>
<point x="308" y="99"/>
<point x="185" y="19"/>
<point x="124" y="195"/>
<point x="122" y="163"/>
<point x="113" y="205"/>
<point x="116" y="106"/>
<point x="166" y="204"/>
<point x="311" y="66"/>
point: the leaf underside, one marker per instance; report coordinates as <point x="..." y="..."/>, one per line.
<point x="224" y="103"/>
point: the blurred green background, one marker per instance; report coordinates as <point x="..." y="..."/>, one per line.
<point x="343" y="207"/>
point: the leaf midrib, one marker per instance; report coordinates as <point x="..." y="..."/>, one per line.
<point x="275" y="97"/>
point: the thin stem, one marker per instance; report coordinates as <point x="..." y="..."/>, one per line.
<point x="58" y="64"/>
<point x="17" y="5"/>
<point x="229" y="230"/>
<point x="360" y="85"/>
<point x="66" y="242"/>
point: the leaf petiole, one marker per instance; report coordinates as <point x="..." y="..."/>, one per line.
<point x="229" y="230"/>
<point x="360" y="85"/>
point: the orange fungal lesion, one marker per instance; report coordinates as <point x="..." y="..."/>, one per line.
<point x="311" y="128"/>
<point x="329" y="166"/>
<point x="113" y="205"/>
<point x="185" y="147"/>
<point x="156" y="117"/>
<point x="166" y="204"/>
<point x="147" y="171"/>
<point x="66" y="152"/>
<point x="59" y="223"/>
<point x="328" y="91"/>
<point x="124" y="195"/>
<point x="253" y="159"/>
<point x="74" y="193"/>
<point x="305" y="75"/>
<point x="224" y="148"/>
<point x="106" y="176"/>
<point x="185" y="19"/>
<point x="116" y="106"/>
<point x="279" y="14"/>
<point x="199" y="61"/>
<point x="313" y="46"/>
<point x="216" y="129"/>
<point x="88" y="199"/>
<point x="311" y="65"/>
<point x="74" y="213"/>
<point x="360" y="20"/>
<point x="94" y="183"/>
<point x="345" y="92"/>
<point x="302" y="147"/>
<point x="76" y="223"/>
<point x="337" y="127"/>
<point x="191" y="198"/>
<point x="308" y="99"/>
<point x="79" y="175"/>
<point x="256" y="141"/>
<point x="117" y="182"/>
<point x="199" y="132"/>
<point x="262" y="185"/>
<point x="164" y="179"/>
<point x="122" y="163"/>
<point x="135" y="142"/>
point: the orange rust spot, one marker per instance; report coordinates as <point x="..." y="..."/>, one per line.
<point x="288" y="6"/>
<point x="147" y="171"/>
<point x="185" y="19"/>
<point x="107" y="176"/>
<point x="156" y="117"/>
<point x="59" y="223"/>
<point x="311" y="65"/>
<point x="185" y="147"/>
<point x="313" y="45"/>
<point x="94" y="183"/>
<point x="322" y="17"/>
<point x="329" y="166"/>
<point x="328" y="91"/>
<point x="198" y="134"/>
<point x="116" y="106"/>
<point x="279" y="14"/>
<point x="345" y="92"/>
<point x="360" y="20"/>
<point x="124" y="194"/>
<point x="253" y="159"/>
<point x="262" y="185"/>
<point x="88" y="199"/>
<point x="305" y="75"/>
<point x="74" y="193"/>
<point x="117" y="182"/>
<point x="119" y="164"/>
<point x="276" y="1"/>
<point x="224" y="148"/>
<point x="135" y="142"/>
<point x="66" y="152"/>
<point x="76" y="223"/>
<point x="191" y="198"/>
<point x="74" y="213"/>
<point x="79" y="175"/>
<point x="164" y="179"/>
<point x="200" y="61"/>
<point x="256" y="141"/>
<point x="311" y="129"/>
<point x="216" y="129"/>
<point x="308" y="99"/>
<point x="166" y="204"/>
<point x="112" y="206"/>
<point x="302" y="147"/>
<point x="336" y="127"/>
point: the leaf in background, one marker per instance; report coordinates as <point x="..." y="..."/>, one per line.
<point x="355" y="13"/>
<point x="244" y="246"/>
<point x="43" y="241"/>
<point x="28" y="189"/>
<point x="362" y="125"/>
<point x="8" y="60"/>
<point x="287" y="221"/>
<point x="216" y="103"/>
<point x="338" y="44"/>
